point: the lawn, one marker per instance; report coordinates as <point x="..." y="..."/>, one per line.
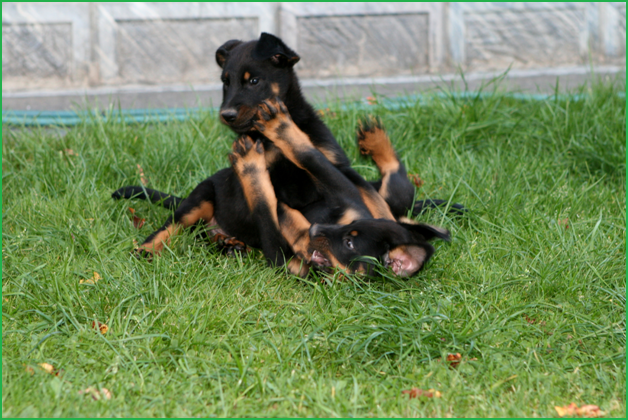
<point x="531" y="291"/>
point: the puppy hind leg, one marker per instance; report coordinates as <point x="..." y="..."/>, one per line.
<point x="196" y="207"/>
<point x="394" y="186"/>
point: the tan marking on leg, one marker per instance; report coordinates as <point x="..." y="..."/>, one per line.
<point x="383" y="190"/>
<point x="250" y="167"/>
<point x="271" y="154"/>
<point x="163" y="237"/>
<point x="404" y="219"/>
<point x="290" y="140"/>
<point x="259" y="189"/>
<point x="377" y="144"/>
<point x="349" y="216"/>
<point x="330" y="155"/>
<point x="205" y="211"/>
<point x="298" y="267"/>
<point x="295" y="228"/>
<point x="376" y="205"/>
<point x="247" y="76"/>
<point x="275" y="88"/>
<point x="283" y="132"/>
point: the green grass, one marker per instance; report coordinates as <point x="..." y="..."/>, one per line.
<point x="532" y="285"/>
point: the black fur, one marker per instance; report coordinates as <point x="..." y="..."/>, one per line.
<point x="254" y="72"/>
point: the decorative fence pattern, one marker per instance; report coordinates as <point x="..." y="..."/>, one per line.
<point x="79" y="45"/>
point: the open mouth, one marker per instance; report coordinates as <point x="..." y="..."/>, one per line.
<point x="394" y="265"/>
<point x="319" y="259"/>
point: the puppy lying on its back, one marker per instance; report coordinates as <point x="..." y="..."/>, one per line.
<point x="258" y="71"/>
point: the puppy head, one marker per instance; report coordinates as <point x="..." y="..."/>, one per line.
<point x="252" y="72"/>
<point x="403" y="247"/>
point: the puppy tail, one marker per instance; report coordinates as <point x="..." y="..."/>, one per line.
<point x="422" y="205"/>
<point x="168" y="201"/>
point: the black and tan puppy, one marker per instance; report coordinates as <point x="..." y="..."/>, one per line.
<point x="253" y="72"/>
<point x="350" y="234"/>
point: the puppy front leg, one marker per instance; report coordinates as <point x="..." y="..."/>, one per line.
<point x="249" y="164"/>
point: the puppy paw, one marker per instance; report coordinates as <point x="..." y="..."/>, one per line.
<point x="371" y="136"/>
<point x="271" y="114"/>
<point x="146" y="253"/>
<point x="247" y="155"/>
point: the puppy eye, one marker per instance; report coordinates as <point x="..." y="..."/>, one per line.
<point x="349" y="243"/>
<point x="225" y="82"/>
<point x="253" y="80"/>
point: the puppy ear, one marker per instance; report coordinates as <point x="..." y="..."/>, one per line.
<point x="406" y="260"/>
<point x="422" y="232"/>
<point x="269" y="47"/>
<point x="222" y="53"/>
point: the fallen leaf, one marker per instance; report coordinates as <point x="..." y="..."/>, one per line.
<point x="93" y="280"/>
<point x="564" y="222"/>
<point x="142" y="178"/>
<point x="97" y="394"/>
<point x="587" y="410"/>
<point x="454" y="360"/>
<point x="590" y="410"/>
<point x="416" y="180"/>
<point x="137" y="222"/>
<point x="47" y="367"/>
<point x="416" y="393"/>
<point x="529" y="320"/>
<point x="371" y="100"/>
<point x="70" y="152"/>
<point x="99" y="325"/>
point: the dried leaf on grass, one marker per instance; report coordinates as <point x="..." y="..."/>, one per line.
<point x="454" y="359"/>
<point x="587" y="410"/>
<point x="137" y="222"/>
<point x="97" y="394"/>
<point x="371" y="100"/>
<point x="416" y="393"/>
<point x="46" y="367"/>
<point x="93" y="280"/>
<point x="100" y="326"/>
<point x="564" y="222"/>
<point x="416" y="180"/>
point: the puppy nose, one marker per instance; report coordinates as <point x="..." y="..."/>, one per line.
<point x="229" y="115"/>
